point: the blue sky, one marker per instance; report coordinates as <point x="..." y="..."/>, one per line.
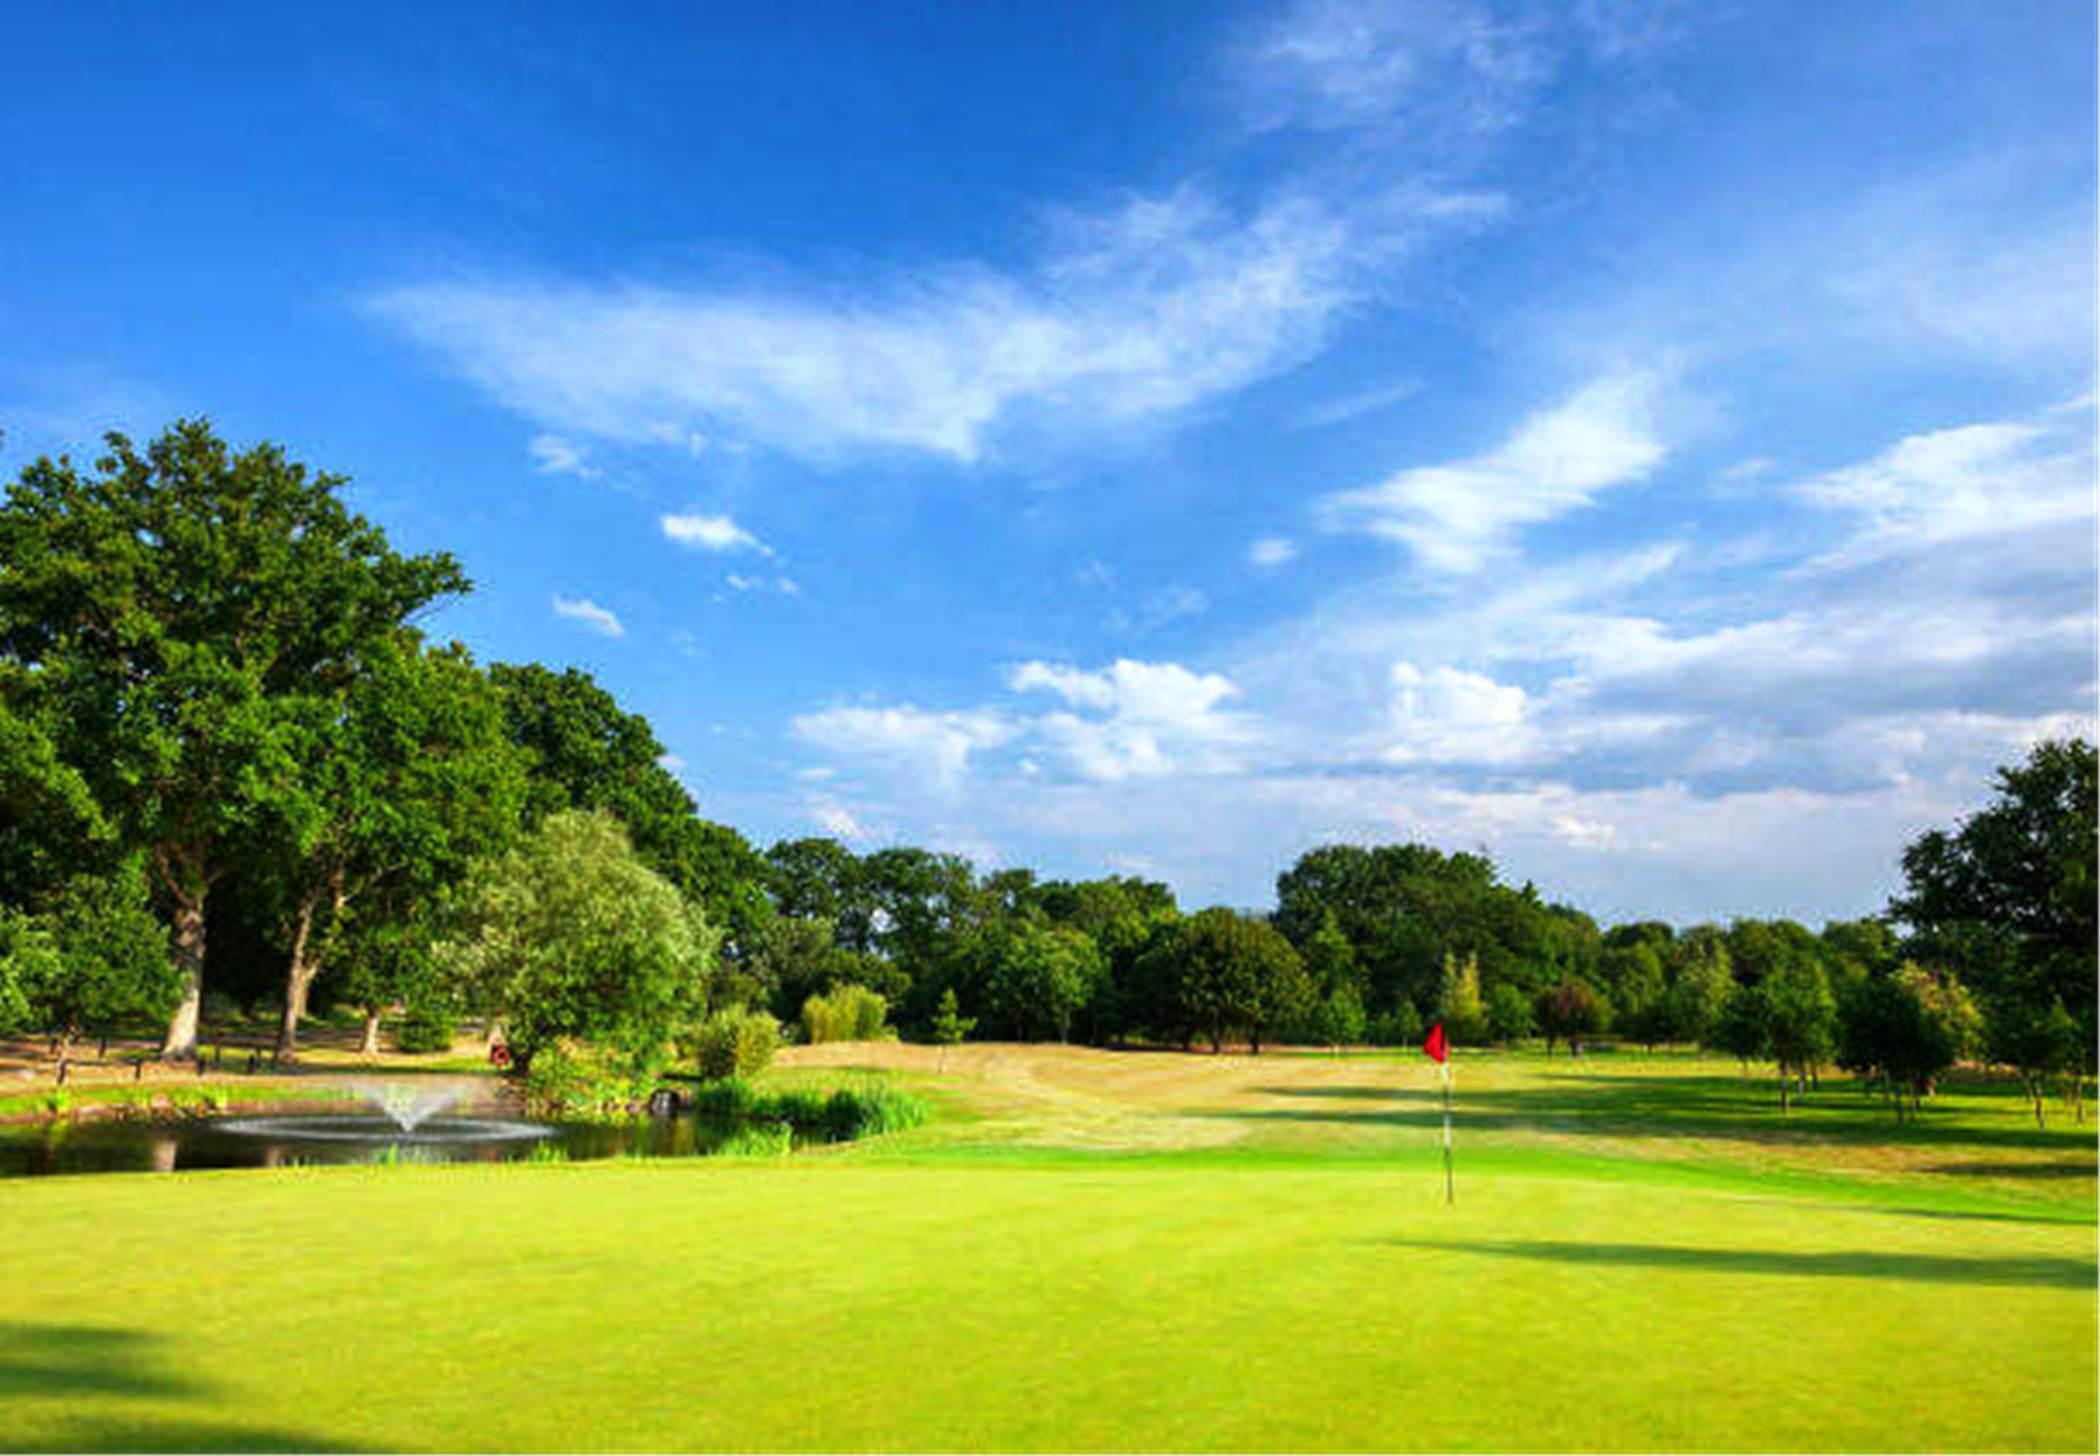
<point x="1652" y="442"/>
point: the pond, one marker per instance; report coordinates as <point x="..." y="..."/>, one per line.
<point x="175" y="1144"/>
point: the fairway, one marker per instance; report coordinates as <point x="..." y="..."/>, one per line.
<point x="1098" y="1252"/>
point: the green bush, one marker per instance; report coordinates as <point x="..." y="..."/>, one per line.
<point x="725" y="1100"/>
<point x="563" y="1084"/>
<point x="871" y="1111"/>
<point x="427" y="1029"/>
<point x="848" y="1013"/>
<point x="735" y="1043"/>
<point x="758" y="1140"/>
<point x="839" y="1116"/>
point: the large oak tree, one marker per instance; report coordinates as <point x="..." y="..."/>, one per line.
<point x="177" y="609"/>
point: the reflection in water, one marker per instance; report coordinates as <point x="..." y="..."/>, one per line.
<point x="115" y="1146"/>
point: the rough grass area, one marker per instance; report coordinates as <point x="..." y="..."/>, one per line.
<point x="1638" y="1260"/>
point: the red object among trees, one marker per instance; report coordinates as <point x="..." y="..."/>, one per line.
<point x="1436" y="1048"/>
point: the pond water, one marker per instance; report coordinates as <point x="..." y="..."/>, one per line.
<point x="110" y="1145"/>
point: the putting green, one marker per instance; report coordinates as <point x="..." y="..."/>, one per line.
<point x="942" y="1293"/>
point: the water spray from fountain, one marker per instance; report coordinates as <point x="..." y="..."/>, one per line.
<point x="407" y="1106"/>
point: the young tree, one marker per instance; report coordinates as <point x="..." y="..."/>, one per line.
<point x="170" y="609"/>
<point x="1038" y="976"/>
<point x="1337" y="1019"/>
<point x="1743" y="1029"/>
<point x="1509" y="1014"/>
<point x="1570" y="1010"/>
<point x="410" y="776"/>
<point x="1695" y="1000"/>
<point x="110" y="959"/>
<point x="571" y="935"/>
<point x="1801" y="1020"/>
<point x="1905" y="1029"/>
<point x="2037" y="1044"/>
<point x="1458" y="1003"/>
<point x="950" y="1026"/>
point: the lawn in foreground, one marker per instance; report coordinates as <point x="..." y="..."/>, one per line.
<point x="1212" y="1298"/>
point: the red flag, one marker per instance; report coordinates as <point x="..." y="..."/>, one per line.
<point x="1436" y="1048"/>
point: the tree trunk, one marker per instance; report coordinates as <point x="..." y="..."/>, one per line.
<point x="299" y="974"/>
<point x="180" y="1044"/>
<point x="369" y="1047"/>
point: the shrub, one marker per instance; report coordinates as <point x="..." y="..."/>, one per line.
<point x="727" y="1099"/>
<point x="427" y="1029"/>
<point x="736" y="1043"/>
<point x="848" y="1013"/>
<point x="758" y="1140"/>
<point x="562" y="1084"/>
<point x="877" y="1110"/>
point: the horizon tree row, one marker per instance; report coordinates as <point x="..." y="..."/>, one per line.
<point x="231" y="762"/>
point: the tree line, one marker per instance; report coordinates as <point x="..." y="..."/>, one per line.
<point x="231" y="761"/>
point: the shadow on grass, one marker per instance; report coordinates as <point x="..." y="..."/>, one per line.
<point x="2014" y="1170"/>
<point x="94" y="1371"/>
<point x="2047" y="1272"/>
<point x="1689" y="1106"/>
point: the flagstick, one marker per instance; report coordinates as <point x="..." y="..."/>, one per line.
<point x="1450" y="1193"/>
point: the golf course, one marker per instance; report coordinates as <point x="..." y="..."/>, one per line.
<point x="1087" y="1249"/>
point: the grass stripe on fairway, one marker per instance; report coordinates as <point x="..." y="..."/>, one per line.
<point x="855" y="1303"/>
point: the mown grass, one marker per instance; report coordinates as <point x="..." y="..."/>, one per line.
<point x="1008" y="1277"/>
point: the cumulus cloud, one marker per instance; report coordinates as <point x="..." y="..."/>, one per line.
<point x="582" y="609"/>
<point x="1137" y="718"/>
<point x="933" y="748"/>
<point x="1447" y="715"/>
<point x="1459" y="516"/>
<point x="712" y="533"/>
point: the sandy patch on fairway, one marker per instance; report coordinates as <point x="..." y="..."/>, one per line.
<point x="1085" y="1097"/>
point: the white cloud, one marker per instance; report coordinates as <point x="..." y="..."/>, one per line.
<point x="1447" y="715"/>
<point x="712" y="533"/>
<point x="670" y="762"/>
<point x="1131" y="314"/>
<point x="1272" y="551"/>
<point x="1357" y="404"/>
<point x="1457" y="517"/>
<point x="582" y="609"/>
<point x="933" y="748"/>
<point x="1081" y="689"/>
<point x="838" y="822"/>
<point x="1955" y="484"/>
<point x="1159" y="718"/>
<point x="553" y="455"/>
<point x="1433" y="69"/>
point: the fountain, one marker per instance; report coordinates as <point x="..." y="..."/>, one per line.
<point x="411" y="1120"/>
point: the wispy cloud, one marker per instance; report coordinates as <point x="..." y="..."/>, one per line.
<point x="1431" y="68"/>
<point x="1960" y="483"/>
<point x="711" y="533"/>
<point x="1458" y="516"/>
<point x="553" y="455"/>
<point x="1272" y="551"/>
<point x="1358" y="403"/>
<point x="588" y="613"/>
<point x="1131" y="314"/>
